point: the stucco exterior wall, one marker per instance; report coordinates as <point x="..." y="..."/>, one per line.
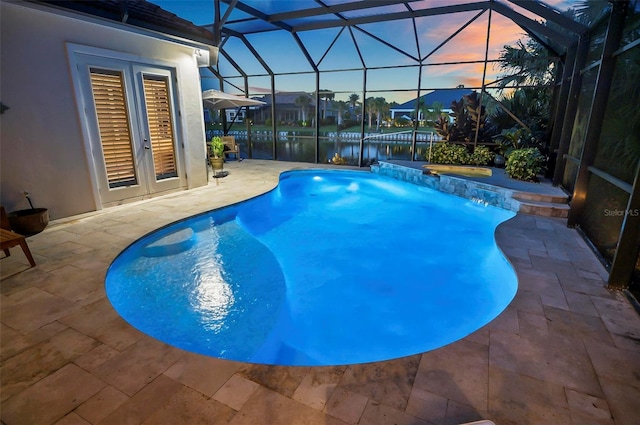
<point x="42" y="149"/>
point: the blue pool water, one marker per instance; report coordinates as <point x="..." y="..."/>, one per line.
<point x="329" y="268"/>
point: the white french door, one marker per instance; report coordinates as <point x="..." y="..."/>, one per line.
<point x="131" y="122"/>
<point x="159" y="133"/>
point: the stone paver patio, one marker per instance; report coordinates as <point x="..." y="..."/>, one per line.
<point x="566" y="351"/>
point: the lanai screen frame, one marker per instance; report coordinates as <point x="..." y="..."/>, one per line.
<point x="563" y="37"/>
<point x="323" y="16"/>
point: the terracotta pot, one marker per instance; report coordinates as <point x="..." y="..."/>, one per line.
<point x="29" y="222"/>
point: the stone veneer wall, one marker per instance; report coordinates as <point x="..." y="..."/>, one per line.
<point x="473" y="190"/>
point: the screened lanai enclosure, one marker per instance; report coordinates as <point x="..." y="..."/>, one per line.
<point x="357" y="79"/>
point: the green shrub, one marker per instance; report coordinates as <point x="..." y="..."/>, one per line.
<point x="448" y="153"/>
<point x="525" y="164"/>
<point x="481" y="156"/>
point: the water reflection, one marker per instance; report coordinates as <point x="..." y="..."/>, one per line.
<point x="212" y="297"/>
<point x="300" y="148"/>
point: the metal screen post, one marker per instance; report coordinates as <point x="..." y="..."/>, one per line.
<point x="561" y="101"/>
<point x="274" y="136"/>
<point x="247" y="121"/>
<point x="596" y="113"/>
<point x="317" y="125"/>
<point x="626" y="255"/>
<point x="364" y="101"/>
<point x="582" y="49"/>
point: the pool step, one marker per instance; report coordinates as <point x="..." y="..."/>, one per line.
<point x="545" y="209"/>
<point x="541" y="197"/>
<point x="545" y="205"/>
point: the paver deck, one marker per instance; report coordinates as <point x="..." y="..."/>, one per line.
<point x="565" y="351"/>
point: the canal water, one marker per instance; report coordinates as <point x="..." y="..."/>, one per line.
<point x="291" y="147"/>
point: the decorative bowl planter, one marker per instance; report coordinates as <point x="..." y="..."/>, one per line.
<point x="217" y="166"/>
<point x="217" y="163"/>
<point x="30" y="221"/>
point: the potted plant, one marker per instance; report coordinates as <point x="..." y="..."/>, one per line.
<point x="216" y="148"/>
<point x="30" y="221"/>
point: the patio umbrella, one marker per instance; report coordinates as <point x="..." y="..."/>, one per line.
<point x="221" y="100"/>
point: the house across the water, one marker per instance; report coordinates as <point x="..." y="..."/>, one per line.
<point x="443" y="97"/>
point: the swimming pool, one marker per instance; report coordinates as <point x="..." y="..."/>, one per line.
<point x="329" y="268"/>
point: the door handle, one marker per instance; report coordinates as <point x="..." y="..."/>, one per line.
<point x="147" y="147"/>
<point x="146" y="144"/>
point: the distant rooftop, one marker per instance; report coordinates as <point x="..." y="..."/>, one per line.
<point x="444" y="97"/>
<point x="286" y="98"/>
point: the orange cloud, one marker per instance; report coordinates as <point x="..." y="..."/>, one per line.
<point x="468" y="45"/>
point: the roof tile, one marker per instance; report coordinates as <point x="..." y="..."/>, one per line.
<point x="140" y="13"/>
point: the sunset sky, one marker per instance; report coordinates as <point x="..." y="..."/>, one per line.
<point x="282" y="54"/>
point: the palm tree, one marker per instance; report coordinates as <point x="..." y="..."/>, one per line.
<point x="430" y="113"/>
<point x="434" y="112"/>
<point x="422" y="110"/>
<point x="303" y="102"/>
<point x="526" y="64"/>
<point x="381" y="107"/>
<point x="370" y="106"/>
<point x="353" y="100"/>
<point x="589" y="11"/>
<point x="529" y="105"/>
<point x="326" y="95"/>
<point x="341" y="105"/>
